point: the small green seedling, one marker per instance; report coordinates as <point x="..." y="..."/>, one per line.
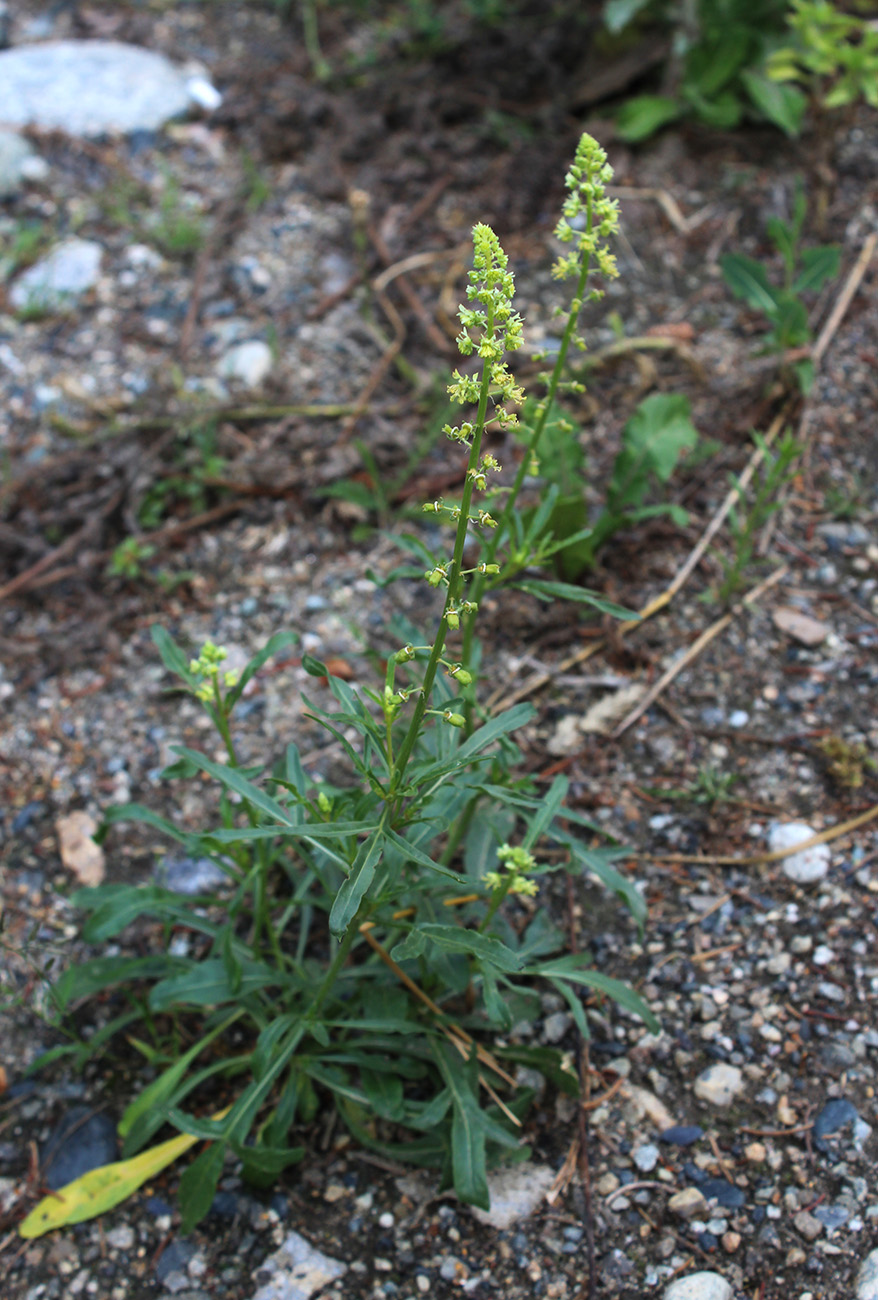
<point x="805" y="271"/>
<point x="747" y="519"/>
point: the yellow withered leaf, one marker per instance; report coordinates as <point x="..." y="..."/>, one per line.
<point x="101" y="1189"/>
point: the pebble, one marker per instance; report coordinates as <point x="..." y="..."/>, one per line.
<point x="699" y="1286"/>
<point x="867" y="1278"/>
<point x="719" y="1084"/>
<point x="18" y="163"/>
<point x="723" y="1192"/>
<point x="687" y="1203"/>
<point x="298" y="1271"/>
<point x="58" y="281"/>
<point x="682" y="1135"/>
<point x="121" y="1237"/>
<point x="248" y="364"/>
<point x="90" y="88"/>
<point x="806" y="1224"/>
<point x="556" y="1025"/>
<point x="804" y="868"/>
<point x="838" y="1113"/>
<point x="190" y="876"/>
<point x="515" y="1193"/>
<point x="82" y="1141"/>
<point x="646" y="1157"/>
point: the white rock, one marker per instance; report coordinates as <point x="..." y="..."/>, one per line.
<point x="646" y="1157"/>
<point x="699" y="1286"/>
<point x="805" y="867"/>
<point x="719" y="1084"/>
<point x="57" y="281"/>
<point x="203" y="94"/>
<point x="515" y="1193"/>
<point x="18" y="163"/>
<point x="867" y="1278"/>
<point x="89" y="87"/>
<point x="247" y="363"/>
<point x="298" y="1271"/>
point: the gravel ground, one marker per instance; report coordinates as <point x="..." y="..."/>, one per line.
<point x="732" y="1154"/>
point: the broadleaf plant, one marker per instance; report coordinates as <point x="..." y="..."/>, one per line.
<point x="363" y="952"/>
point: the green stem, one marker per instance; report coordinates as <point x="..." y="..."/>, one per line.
<point x="455" y="582"/>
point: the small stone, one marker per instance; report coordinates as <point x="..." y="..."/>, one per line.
<point x="607" y="1184"/>
<point x="59" y="280"/>
<point x="731" y="1241"/>
<point x="516" y="1192"/>
<point x="682" y="1135"/>
<point x="806" y="867"/>
<point x="556" y="1025"/>
<point x="739" y="718"/>
<point x="806" y="1224"/>
<point x="298" y="1270"/>
<point x="79" y="852"/>
<point x="785" y="1113"/>
<point x="191" y="876"/>
<point x="90" y="87"/>
<point x="84" y="1140"/>
<point x="822" y="955"/>
<point x="646" y="1157"/>
<point x="755" y="1153"/>
<point x="723" y="1192"/>
<point x="867" y="1278"/>
<point x="699" y="1286"/>
<point x="838" y="1113"/>
<point x="801" y="627"/>
<point x="719" y="1084"/>
<point x="248" y="364"/>
<point x="687" y="1203"/>
<point x="121" y="1238"/>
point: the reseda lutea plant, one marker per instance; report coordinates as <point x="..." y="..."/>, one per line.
<point x="373" y="947"/>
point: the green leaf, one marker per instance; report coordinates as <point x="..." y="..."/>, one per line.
<point x="100" y="973"/>
<point x="262" y="1164"/>
<point x="198" y="1186"/>
<point x="566" y="968"/>
<point x="414" y="854"/>
<point x="385" y="1093"/>
<point x="711" y="64"/>
<point x="122" y="904"/>
<point x="207" y="984"/>
<point x="453" y="938"/>
<point x="548" y="809"/>
<point x="747" y="279"/>
<point x="784" y="105"/>
<point x="353" y="890"/>
<point x="652" y="442"/>
<point x="501" y="725"/>
<point x="546" y="590"/>
<point x="642" y="116"/>
<point x="157" y="1093"/>
<point x="137" y="812"/>
<point x="314" y="667"/>
<point x="171" y="655"/>
<point x="468" y="1156"/>
<point x="233" y="780"/>
<point x="818" y="266"/>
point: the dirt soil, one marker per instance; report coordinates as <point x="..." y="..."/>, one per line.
<point x="308" y="195"/>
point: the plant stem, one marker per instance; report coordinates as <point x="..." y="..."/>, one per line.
<point x="455" y="582"/>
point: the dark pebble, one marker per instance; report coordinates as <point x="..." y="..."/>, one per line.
<point x="836" y="1114"/>
<point x="174" y="1258"/>
<point x="707" y="1241"/>
<point x="224" y="1205"/>
<point x="682" y="1135"/>
<point x="723" y="1192"/>
<point x="25" y="816"/>
<point x="157" y="1206"/>
<point x="81" y="1142"/>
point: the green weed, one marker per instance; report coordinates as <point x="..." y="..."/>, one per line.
<point x="804" y="271"/>
<point x="748" y="518"/>
<point x="371" y="940"/>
